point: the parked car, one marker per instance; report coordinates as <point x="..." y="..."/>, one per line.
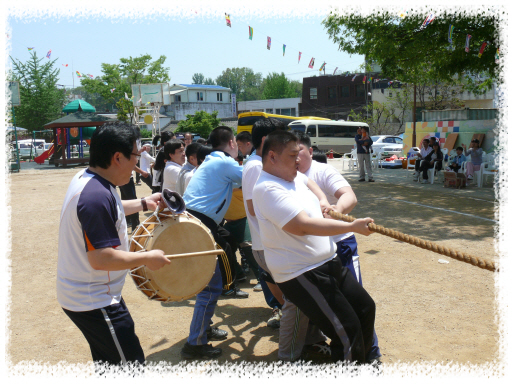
<point x="26" y="151"/>
<point x="390" y="145"/>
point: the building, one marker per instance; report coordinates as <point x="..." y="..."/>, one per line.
<point x="187" y="99"/>
<point x="287" y="107"/>
<point x="333" y="97"/>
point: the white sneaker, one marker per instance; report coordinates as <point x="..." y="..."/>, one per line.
<point x="424" y="181"/>
<point x="470" y="177"/>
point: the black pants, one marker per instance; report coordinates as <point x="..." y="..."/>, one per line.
<point x="116" y="345"/>
<point x="137" y="174"/>
<point x="335" y="302"/>
<point x="227" y="242"/>
<point x="128" y="193"/>
<point x="425" y="166"/>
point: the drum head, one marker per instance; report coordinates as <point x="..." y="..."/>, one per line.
<point x="184" y="277"/>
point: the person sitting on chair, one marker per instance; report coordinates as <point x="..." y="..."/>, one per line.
<point x="424" y="151"/>
<point x="433" y="159"/>
<point x="457" y="161"/>
<point x="476" y="157"/>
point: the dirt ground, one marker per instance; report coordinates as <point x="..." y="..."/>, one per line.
<point x="426" y="311"/>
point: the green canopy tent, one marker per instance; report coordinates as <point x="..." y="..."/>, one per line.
<point x="78" y="106"/>
<point x="75" y="127"/>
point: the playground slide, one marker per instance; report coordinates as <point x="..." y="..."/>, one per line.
<point x="46" y="154"/>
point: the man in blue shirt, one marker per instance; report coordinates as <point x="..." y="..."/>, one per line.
<point x="207" y="197"/>
<point x="364" y="144"/>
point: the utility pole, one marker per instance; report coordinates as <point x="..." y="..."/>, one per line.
<point x="414" y="119"/>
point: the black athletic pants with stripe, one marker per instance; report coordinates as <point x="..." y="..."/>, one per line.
<point x="335" y="302"/>
<point x="110" y="332"/>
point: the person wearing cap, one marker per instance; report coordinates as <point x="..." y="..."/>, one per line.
<point x="476" y="157"/>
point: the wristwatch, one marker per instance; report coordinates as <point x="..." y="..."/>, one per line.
<point x="144" y="204"/>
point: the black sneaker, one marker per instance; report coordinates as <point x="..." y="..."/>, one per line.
<point x="361" y="180"/>
<point x="200" y="352"/>
<point x="216" y="334"/>
<point x="319" y="350"/>
<point x="235" y="292"/>
<point x="371" y="180"/>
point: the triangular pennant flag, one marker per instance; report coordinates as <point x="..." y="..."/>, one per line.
<point x="228" y="21"/>
<point x="450" y="33"/>
<point x="364" y="79"/>
<point x="354" y="78"/>
<point x="65" y="65"/>
<point x="91" y="76"/>
<point x="497" y="56"/>
<point x="49" y="53"/>
<point x="284" y="48"/>
<point x="468" y="37"/>
<point x="78" y="74"/>
<point x="126" y="96"/>
<point x="482" y="49"/>
<point x="428" y="20"/>
<point x="112" y="90"/>
<point x="335" y="71"/>
<point x="311" y="63"/>
<point x="30" y="48"/>
<point x="268" y="42"/>
<point x="322" y="67"/>
<point x="251" y="31"/>
<point x="371" y="78"/>
<point x="300" y="54"/>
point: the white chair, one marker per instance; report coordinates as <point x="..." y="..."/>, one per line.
<point x="487" y="168"/>
<point x="376" y="157"/>
<point x="347" y="158"/>
<point x="352" y="165"/>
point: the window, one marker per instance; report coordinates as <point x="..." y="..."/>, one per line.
<point x="311" y="131"/>
<point x="312" y="93"/>
<point x="249" y="120"/>
<point x="293" y="112"/>
<point x="177" y="98"/>
<point x="345" y="91"/>
<point x="269" y="110"/>
<point x="336" y="131"/>
<point x="331" y="92"/>
<point x="359" y="90"/>
<point x="298" y="127"/>
<point x="219" y="96"/>
<point x="285" y="112"/>
<point x="256" y="110"/>
<point x="199" y="96"/>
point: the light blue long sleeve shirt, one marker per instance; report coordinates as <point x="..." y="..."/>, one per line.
<point x="210" y="189"/>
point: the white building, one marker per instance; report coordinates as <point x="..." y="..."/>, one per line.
<point x="187" y="99"/>
<point x="287" y="107"/>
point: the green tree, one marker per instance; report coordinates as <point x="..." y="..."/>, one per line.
<point x="378" y="116"/>
<point x="198" y="78"/>
<point x="242" y="81"/>
<point x="41" y="99"/>
<point x="415" y="55"/>
<point x="115" y="83"/>
<point x="209" y="81"/>
<point x="201" y="123"/>
<point x="277" y="86"/>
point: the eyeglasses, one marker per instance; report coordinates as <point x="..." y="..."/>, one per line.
<point x="136" y="154"/>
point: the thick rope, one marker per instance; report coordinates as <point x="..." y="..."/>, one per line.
<point x="425" y="244"/>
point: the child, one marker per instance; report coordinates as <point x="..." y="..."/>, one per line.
<point x="174" y="151"/>
<point x="457" y="161"/>
<point x="191" y="164"/>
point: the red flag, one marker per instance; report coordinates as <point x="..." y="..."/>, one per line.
<point x="311" y="63"/>
<point x="300" y="54"/>
<point x="364" y="79"/>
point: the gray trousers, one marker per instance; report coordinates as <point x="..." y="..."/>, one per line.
<point x="293" y="330"/>
<point x="363" y="158"/>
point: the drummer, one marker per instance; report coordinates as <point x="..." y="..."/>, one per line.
<point x="207" y="197"/>
<point x="93" y="247"/>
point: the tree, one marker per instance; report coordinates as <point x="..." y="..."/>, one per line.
<point x="277" y="86"/>
<point x="242" y="81"/>
<point x="115" y="83"/>
<point x="415" y="55"/>
<point x="198" y="78"/>
<point x="378" y="116"/>
<point x="41" y="99"/>
<point x="201" y="123"/>
<point x="209" y="81"/>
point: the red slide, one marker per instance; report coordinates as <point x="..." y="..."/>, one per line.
<point x="43" y="156"/>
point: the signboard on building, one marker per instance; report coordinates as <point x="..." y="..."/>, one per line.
<point x="233" y="104"/>
<point x="14" y="91"/>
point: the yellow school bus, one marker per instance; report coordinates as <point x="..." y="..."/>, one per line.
<point x="247" y="119"/>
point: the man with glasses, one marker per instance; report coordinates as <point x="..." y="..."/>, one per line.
<point x="94" y="255"/>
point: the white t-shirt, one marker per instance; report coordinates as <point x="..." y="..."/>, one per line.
<point x="276" y="202"/>
<point x="171" y="173"/>
<point x="92" y="217"/>
<point x="329" y="180"/>
<point x="250" y="174"/>
<point x="145" y="161"/>
<point x="188" y="177"/>
<point x="156" y="176"/>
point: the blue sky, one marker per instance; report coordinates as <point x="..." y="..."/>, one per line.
<point x="199" y="43"/>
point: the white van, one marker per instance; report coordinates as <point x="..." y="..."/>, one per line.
<point x="326" y="135"/>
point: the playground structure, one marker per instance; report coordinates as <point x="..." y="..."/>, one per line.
<point x="147" y="100"/>
<point x="73" y="129"/>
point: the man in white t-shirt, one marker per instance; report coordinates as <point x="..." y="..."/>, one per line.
<point x="145" y="165"/>
<point x="94" y="255"/>
<point x="301" y="255"/>
<point x="189" y="166"/>
<point x="343" y="199"/>
<point x="174" y="151"/>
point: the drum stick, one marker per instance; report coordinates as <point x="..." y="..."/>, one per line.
<point x="194" y="254"/>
